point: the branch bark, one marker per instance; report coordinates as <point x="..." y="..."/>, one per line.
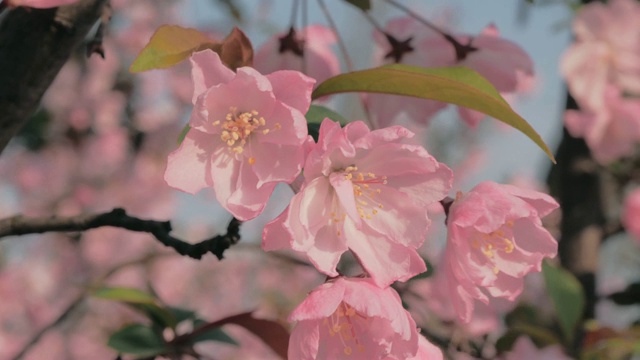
<point x="582" y="188"/>
<point x="21" y="225"/>
<point x="34" y="45"/>
<point x="576" y="181"/>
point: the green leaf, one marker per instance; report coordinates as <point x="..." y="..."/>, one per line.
<point x="181" y="314"/>
<point x="456" y="85"/>
<point x="137" y="339"/>
<point x="129" y="295"/>
<point x="216" y="334"/>
<point x="363" y="5"/>
<point x="169" y="45"/>
<point x="158" y="315"/>
<point x="141" y="301"/>
<point x="567" y="296"/>
<point x="425" y="274"/>
<point x="317" y="113"/>
<point x="183" y="133"/>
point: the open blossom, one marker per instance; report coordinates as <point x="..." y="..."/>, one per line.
<point x="631" y="214"/>
<point x="364" y="191"/>
<point x="503" y="63"/>
<point x="351" y="318"/>
<point x="610" y="132"/>
<point x="247" y="134"/>
<point x="495" y="237"/>
<point x="308" y="51"/>
<point x="606" y="51"/>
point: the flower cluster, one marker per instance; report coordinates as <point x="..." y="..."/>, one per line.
<point x="361" y="191"/>
<point x="601" y="66"/>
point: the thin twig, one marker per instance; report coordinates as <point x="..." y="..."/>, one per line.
<point x="420" y="19"/>
<point x="462" y="50"/>
<point x="62" y="317"/>
<point x="334" y="28"/>
<point x="373" y="22"/>
<point x="345" y="54"/>
<point x="294" y="14"/>
<point x="20" y="225"/>
<point x="77" y="302"/>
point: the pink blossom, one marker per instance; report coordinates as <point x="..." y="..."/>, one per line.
<point x="348" y="318"/>
<point x="247" y="134"/>
<point x="309" y="52"/>
<point x="524" y="349"/>
<point x="495" y="237"/>
<point x="502" y="62"/>
<point x="364" y="191"/>
<point x="606" y="51"/>
<point x="612" y="131"/>
<point x="631" y="214"/>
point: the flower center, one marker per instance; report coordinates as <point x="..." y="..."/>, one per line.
<point x="493" y="242"/>
<point x="342" y="323"/>
<point x="238" y="126"/>
<point x="365" y="190"/>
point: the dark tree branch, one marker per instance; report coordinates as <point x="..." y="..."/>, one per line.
<point x="580" y="186"/>
<point x="34" y="45"/>
<point x="21" y="225"/>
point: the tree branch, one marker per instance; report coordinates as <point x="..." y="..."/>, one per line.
<point x="55" y="323"/>
<point x="75" y="305"/>
<point x="34" y="45"/>
<point x="21" y="225"/>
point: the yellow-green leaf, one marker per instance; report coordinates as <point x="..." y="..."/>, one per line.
<point x="141" y="301"/>
<point x="169" y="45"/>
<point x="456" y="85"/>
<point x="123" y="294"/>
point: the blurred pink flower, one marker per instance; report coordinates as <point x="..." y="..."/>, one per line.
<point x="524" y="349"/>
<point x="308" y="51"/>
<point x="364" y="191"/>
<point x="612" y="131"/>
<point x="348" y="318"/>
<point x="631" y="214"/>
<point x="247" y="134"/>
<point x="606" y="51"/>
<point x="502" y="62"/>
<point x="495" y="237"/>
<point x="432" y="302"/>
